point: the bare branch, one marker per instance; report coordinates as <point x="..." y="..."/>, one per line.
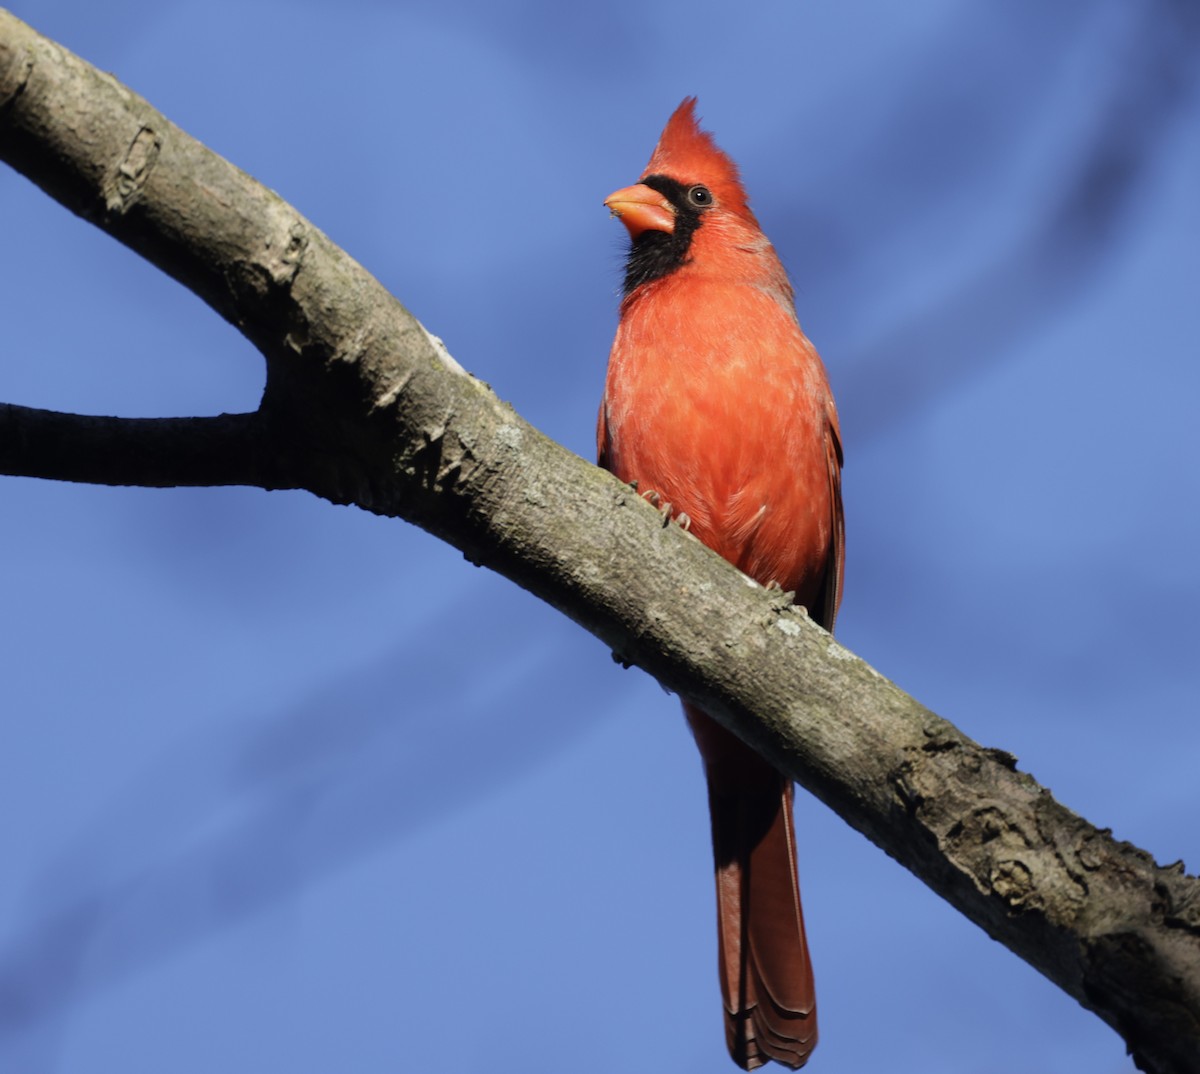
<point x="364" y="406"/>
<point x="231" y="449"/>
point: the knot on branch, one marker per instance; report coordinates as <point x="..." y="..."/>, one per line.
<point x="992" y="844"/>
<point x="274" y="266"/>
<point x="996" y="827"/>
<point x="261" y="286"/>
<point x="123" y="185"/>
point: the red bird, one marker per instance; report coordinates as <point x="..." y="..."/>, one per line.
<point x="718" y="407"/>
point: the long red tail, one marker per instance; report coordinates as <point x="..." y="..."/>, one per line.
<point x="766" y="973"/>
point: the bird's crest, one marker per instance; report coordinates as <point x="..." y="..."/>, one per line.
<point x="689" y="154"/>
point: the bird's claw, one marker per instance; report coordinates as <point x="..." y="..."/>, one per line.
<point x="656" y="501"/>
<point x="664" y="509"/>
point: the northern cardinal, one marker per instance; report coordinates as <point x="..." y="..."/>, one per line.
<point x="717" y="405"/>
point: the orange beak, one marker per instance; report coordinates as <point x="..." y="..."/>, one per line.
<point x="641" y="209"/>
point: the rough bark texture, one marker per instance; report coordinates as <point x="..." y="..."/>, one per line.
<point x="363" y="406"/>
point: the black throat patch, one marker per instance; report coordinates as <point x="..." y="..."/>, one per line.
<point x="654" y="254"/>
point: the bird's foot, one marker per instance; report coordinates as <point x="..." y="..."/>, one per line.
<point x="659" y="504"/>
<point x="666" y="510"/>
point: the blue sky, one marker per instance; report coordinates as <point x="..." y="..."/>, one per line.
<point x="286" y="786"/>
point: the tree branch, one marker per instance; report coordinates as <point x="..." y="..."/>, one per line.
<point x="231" y="449"/>
<point x="363" y="406"/>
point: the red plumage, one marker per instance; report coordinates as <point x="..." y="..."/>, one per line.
<point x="716" y="402"/>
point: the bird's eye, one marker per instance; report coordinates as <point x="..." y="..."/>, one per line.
<point x="700" y="196"/>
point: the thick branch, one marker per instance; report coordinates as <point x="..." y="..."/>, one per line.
<point x="367" y="408"/>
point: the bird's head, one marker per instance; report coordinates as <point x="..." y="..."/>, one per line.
<point x="690" y="187"/>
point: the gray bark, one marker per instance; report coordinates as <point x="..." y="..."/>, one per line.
<point x="363" y="406"/>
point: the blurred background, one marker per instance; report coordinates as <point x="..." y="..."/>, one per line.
<point x="286" y="786"/>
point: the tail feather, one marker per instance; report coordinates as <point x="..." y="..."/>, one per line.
<point x="766" y="974"/>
